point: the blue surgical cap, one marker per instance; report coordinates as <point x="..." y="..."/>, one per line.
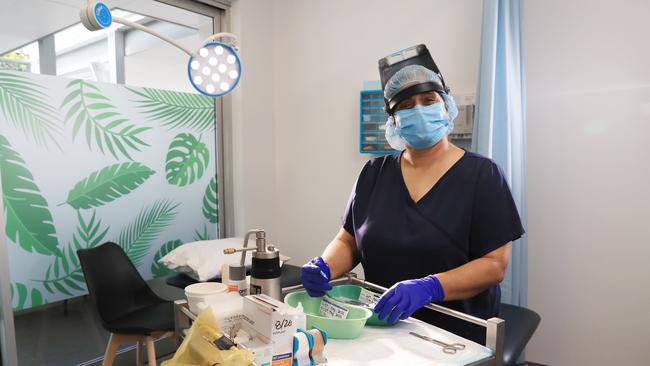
<point x="413" y="75"/>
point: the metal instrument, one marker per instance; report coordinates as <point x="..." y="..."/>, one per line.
<point x="446" y="347"/>
<point x="265" y="270"/>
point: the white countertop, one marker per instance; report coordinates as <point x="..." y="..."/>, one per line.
<point x="379" y="346"/>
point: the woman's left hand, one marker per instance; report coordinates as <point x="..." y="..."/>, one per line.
<point x="405" y="297"/>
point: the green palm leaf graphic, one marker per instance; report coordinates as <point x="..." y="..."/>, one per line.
<point x="29" y="221"/>
<point x="176" y="109"/>
<point x="210" y="201"/>
<point x="23" y="102"/>
<point x="159" y="270"/>
<point x="19" y="297"/>
<point x="103" y="126"/>
<point x="65" y="274"/>
<point x="205" y="235"/>
<point x="136" y="239"/>
<point x="108" y="184"/>
<point x="187" y="159"/>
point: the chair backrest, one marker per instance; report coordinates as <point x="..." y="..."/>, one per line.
<point x="521" y="324"/>
<point x="114" y="284"/>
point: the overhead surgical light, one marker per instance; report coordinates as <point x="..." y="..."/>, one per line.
<point x="214" y="69"/>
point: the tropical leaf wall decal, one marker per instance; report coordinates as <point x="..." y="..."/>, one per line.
<point x="103" y="126"/>
<point x="65" y="274"/>
<point x="89" y="234"/>
<point x="23" y="102"/>
<point x="187" y="159"/>
<point x="177" y="110"/>
<point x="139" y="208"/>
<point x="29" y="221"/>
<point x="19" y="296"/>
<point x="137" y="237"/>
<point x="108" y="184"/>
<point x="203" y="235"/>
<point x="159" y="270"/>
<point x="210" y="201"/>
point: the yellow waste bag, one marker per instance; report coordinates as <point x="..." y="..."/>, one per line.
<point x="198" y="348"/>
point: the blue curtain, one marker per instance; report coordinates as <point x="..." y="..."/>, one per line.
<point x="500" y="126"/>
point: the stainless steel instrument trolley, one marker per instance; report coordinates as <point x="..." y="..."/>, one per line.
<point x="494" y="327"/>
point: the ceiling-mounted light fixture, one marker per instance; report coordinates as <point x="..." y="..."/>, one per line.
<point x="214" y="69"/>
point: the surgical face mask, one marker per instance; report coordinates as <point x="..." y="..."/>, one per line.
<point x="421" y="126"/>
<point x="392" y="135"/>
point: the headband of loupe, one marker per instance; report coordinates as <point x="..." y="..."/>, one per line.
<point x="214" y="69"/>
<point x="391" y="64"/>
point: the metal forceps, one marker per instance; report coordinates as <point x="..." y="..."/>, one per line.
<point x="446" y="347"/>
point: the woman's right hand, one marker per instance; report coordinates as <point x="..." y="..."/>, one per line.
<point x="315" y="276"/>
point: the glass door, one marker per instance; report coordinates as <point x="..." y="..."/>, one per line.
<point x="95" y="129"/>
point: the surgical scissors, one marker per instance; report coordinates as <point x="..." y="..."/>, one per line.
<point x="449" y="348"/>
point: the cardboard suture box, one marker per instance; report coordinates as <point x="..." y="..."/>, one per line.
<point x="275" y="322"/>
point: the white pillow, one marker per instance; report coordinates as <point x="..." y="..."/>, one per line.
<point x="202" y="260"/>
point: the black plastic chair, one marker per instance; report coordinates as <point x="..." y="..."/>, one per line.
<point x="127" y="307"/>
<point x="521" y="323"/>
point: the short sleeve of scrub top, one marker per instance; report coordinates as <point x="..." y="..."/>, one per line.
<point x="467" y="214"/>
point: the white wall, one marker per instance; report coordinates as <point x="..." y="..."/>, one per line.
<point x="253" y="129"/>
<point x="588" y="113"/>
<point x="304" y="65"/>
<point x="324" y="51"/>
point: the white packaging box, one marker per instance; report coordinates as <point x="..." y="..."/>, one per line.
<point x="228" y="310"/>
<point x="262" y="352"/>
<point x="275" y="321"/>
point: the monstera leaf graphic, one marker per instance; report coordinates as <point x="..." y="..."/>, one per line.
<point x="187" y="159"/>
<point x="23" y="103"/>
<point x="136" y="239"/>
<point x="108" y="184"/>
<point x="177" y="110"/>
<point x="103" y="125"/>
<point x="19" y="296"/>
<point x="29" y="221"/>
<point x="210" y="201"/>
<point x="159" y="270"/>
<point x="65" y="274"/>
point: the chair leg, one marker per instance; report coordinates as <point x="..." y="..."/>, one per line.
<point x="151" y="351"/>
<point x="139" y="352"/>
<point x="111" y="349"/>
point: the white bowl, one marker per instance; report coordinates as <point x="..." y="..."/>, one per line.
<point x="206" y="292"/>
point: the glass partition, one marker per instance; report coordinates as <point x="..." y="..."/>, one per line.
<point x="113" y="145"/>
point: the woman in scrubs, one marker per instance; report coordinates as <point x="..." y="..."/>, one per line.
<point x="433" y="223"/>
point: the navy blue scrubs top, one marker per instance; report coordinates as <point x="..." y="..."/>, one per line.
<point x="468" y="213"/>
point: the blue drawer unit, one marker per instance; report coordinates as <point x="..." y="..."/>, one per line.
<point x="373" y="123"/>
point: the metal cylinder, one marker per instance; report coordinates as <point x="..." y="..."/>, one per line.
<point x="265" y="274"/>
<point x="271" y="287"/>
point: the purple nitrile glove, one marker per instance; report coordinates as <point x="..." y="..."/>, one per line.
<point x="315" y="277"/>
<point x="405" y="297"/>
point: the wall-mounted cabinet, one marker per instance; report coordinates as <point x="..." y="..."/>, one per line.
<point x="373" y="123"/>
